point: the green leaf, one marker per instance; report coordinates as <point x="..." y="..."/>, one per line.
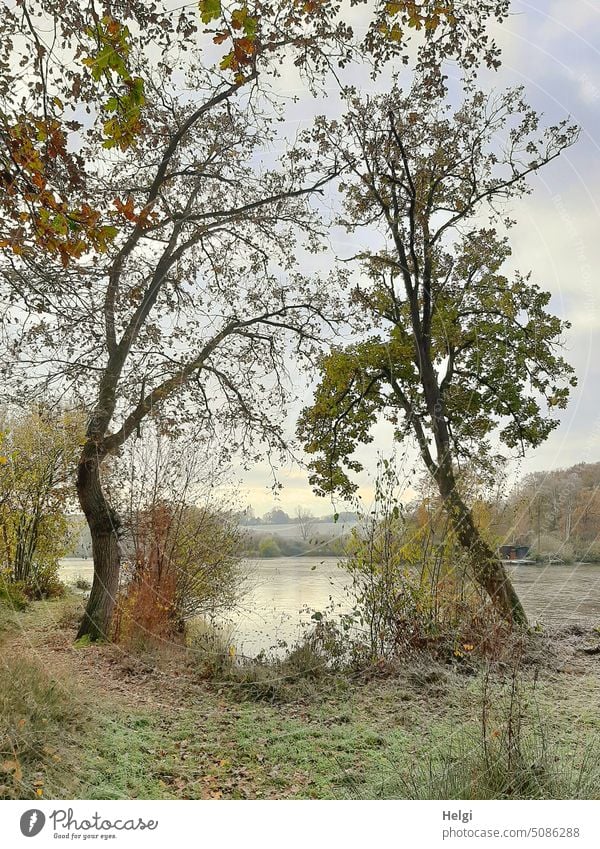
<point x="210" y="10"/>
<point x="227" y="61"/>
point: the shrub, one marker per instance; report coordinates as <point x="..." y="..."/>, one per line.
<point x="264" y="678"/>
<point x="211" y="649"/>
<point x="146" y="611"/>
<point x="322" y="649"/>
<point x="44" y="583"/>
<point x="13" y="593"/>
<point x="186" y="563"/>
<point x="39" y="449"/>
<point x="412" y="588"/>
<point x="268" y="547"/>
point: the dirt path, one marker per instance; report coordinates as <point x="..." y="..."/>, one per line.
<point x="100" y="672"/>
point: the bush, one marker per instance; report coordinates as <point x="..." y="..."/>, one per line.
<point x="186" y="563"/>
<point x="268" y="547"/>
<point x="44" y="583"/>
<point x="264" y="678"/>
<point x="412" y="587"/>
<point x="13" y="593"/>
<point x="40" y="448"/>
<point x="211" y="648"/>
<point x="146" y="612"/>
<point x="322" y="649"/>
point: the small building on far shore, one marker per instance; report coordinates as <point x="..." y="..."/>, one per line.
<point x="514" y="552"/>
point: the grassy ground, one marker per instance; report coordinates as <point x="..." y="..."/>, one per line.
<point x="96" y="722"/>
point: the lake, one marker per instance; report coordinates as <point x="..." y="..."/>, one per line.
<point x="283" y="591"/>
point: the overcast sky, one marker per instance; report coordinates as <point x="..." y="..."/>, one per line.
<point x="552" y="49"/>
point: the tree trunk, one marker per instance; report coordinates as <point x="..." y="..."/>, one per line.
<point x="104" y="528"/>
<point x="487" y="567"/>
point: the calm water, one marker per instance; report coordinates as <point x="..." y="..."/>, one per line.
<point x="283" y="591"/>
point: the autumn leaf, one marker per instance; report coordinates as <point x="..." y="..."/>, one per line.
<point x="126" y="208"/>
<point x="111" y="61"/>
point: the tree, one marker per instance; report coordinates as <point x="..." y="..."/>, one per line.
<point x="306" y="522"/>
<point x="453" y="350"/>
<point x="587" y="518"/>
<point x="268" y="547"/>
<point x="97" y="60"/>
<point x="558" y="507"/>
<point x="248" y="516"/>
<point x="276" y="516"/>
<point x="39" y="450"/>
<point x="156" y="266"/>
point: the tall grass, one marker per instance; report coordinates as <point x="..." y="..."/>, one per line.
<point x="510" y="754"/>
<point x="36" y="717"/>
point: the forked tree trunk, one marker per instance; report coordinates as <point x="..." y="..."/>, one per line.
<point x="104" y="528"/>
<point x="488" y="569"/>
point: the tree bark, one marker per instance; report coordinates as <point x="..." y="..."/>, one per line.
<point x="104" y="526"/>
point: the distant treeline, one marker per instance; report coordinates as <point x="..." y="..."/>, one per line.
<point x="556" y="513"/>
<point x="304" y="537"/>
<point x="274" y="545"/>
<point x="276" y="516"/>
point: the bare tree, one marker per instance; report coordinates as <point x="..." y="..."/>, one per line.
<point x="306" y="522"/>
